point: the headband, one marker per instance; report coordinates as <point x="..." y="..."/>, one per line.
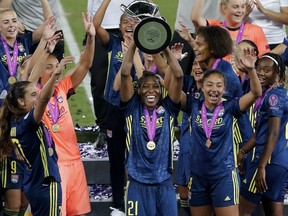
<point x="267" y="56"/>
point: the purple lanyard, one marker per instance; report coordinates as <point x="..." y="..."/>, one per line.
<point x="259" y="101"/>
<point x="240" y="32"/>
<point x="150" y="123"/>
<point x="153" y="68"/>
<point x="54" y="112"/>
<point x="208" y="130"/>
<point x="216" y="63"/>
<point x="12" y="64"/>
<point x="48" y="136"/>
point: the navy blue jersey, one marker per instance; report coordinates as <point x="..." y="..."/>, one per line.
<point x="24" y="44"/>
<point x="219" y="159"/>
<point x="144" y="165"/>
<point x="114" y="46"/>
<point x="275" y="104"/>
<point x="32" y="144"/>
<point x="242" y="129"/>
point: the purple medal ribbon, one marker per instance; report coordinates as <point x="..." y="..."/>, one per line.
<point x="150" y="123"/>
<point x="48" y="136"/>
<point x="259" y="101"/>
<point x="216" y="63"/>
<point x="153" y="68"/>
<point x="240" y="32"/>
<point x="54" y="112"/>
<point x="12" y="65"/>
<point x="208" y="130"/>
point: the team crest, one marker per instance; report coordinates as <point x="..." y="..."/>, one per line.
<point x="60" y="99"/>
<point x="160" y="110"/>
<point x="273" y="100"/>
<point x="14" y="178"/>
<point x="21" y="47"/>
<point x="13" y="132"/>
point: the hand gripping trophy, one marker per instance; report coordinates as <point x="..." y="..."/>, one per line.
<point x="153" y="34"/>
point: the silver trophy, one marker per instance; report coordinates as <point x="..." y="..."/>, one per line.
<point x="153" y="34"/>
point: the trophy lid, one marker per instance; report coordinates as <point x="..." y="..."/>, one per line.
<point x="141" y="9"/>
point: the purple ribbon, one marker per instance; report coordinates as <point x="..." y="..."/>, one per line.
<point x="150" y="123"/>
<point x="12" y="65"/>
<point x="208" y="130"/>
<point x="240" y="32"/>
<point x="48" y="136"/>
<point x="259" y="101"/>
<point x="153" y="68"/>
<point x="216" y="63"/>
<point x="53" y="111"/>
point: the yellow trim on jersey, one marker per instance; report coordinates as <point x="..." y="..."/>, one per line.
<point x="171" y="125"/>
<point x="126" y="194"/>
<point x="43" y="152"/>
<point x="164" y="92"/>
<point x="235" y="181"/>
<point x="252" y="187"/>
<point x="53" y="187"/>
<point x="4" y="162"/>
<point x="129" y="131"/>
<point x="16" y="142"/>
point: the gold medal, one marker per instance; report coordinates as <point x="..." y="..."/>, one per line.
<point x="11" y="80"/>
<point x="151" y="145"/>
<point x="55" y="128"/>
<point x="208" y="143"/>
<point x="50" y="151"/>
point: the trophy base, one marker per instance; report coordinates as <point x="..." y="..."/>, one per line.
<point x="152" y="35"/>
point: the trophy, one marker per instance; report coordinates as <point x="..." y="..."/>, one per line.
<point x="153" y="34"/>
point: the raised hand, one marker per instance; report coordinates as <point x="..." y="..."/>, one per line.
<point x="53" y="41"/>
<point x="88" y="24"/>
<point x="245" y="59"/>
<point x="49" y="28"/>
<point x="184" y="32"/>
<point x="66" y="60"/>
<point x="259" y="6"/>
<point x="177" y="49"/>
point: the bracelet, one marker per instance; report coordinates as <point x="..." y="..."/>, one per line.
<point x="243" y="152"/>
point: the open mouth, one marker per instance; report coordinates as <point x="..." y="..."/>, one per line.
<point x="150" y="98"/>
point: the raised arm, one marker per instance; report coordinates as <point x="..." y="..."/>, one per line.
<point x="280" y="17"/>
<point x="47" y="92"/>
<point x="102" y="34"/>
<point x="175" y="87"/>
<point x="197" y="13"/>
<point x="47" y="12"/>
<point x="126" y="88"/>
<point x="87" y="56"/>
<point x="247" y="63"/>
<point x="185" y="34"/>
<point x="6" y="3"/>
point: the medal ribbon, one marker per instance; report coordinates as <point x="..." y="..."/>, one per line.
<point x="216" y="63"/>
<point x="259" y="101"/>
<point x="150" y="123"/>
<point x="208" y="130"/>
<point x="48" y="137"/>
<point x="12" y="64"/>
<point x="240" y="32"/>
<point x="153" y="68"/>
<point x="54" y="112"/>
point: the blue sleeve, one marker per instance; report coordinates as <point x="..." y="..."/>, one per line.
<point x="127" y="107"/>
<point x="274" y="104"/>
<point x="284" y="56"/>
<point x="173" y="108"/>
<point x="27" y="41"/>
<point x="112" y="42"/>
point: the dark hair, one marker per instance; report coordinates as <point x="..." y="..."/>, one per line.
<point x="210" y="72"/>
<point x="280" y="68"/>
<point x="11" y="108"/>
<point x="251" y="43"/>
<point x="148" y="74"/>
<point x="218" y="39"/>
